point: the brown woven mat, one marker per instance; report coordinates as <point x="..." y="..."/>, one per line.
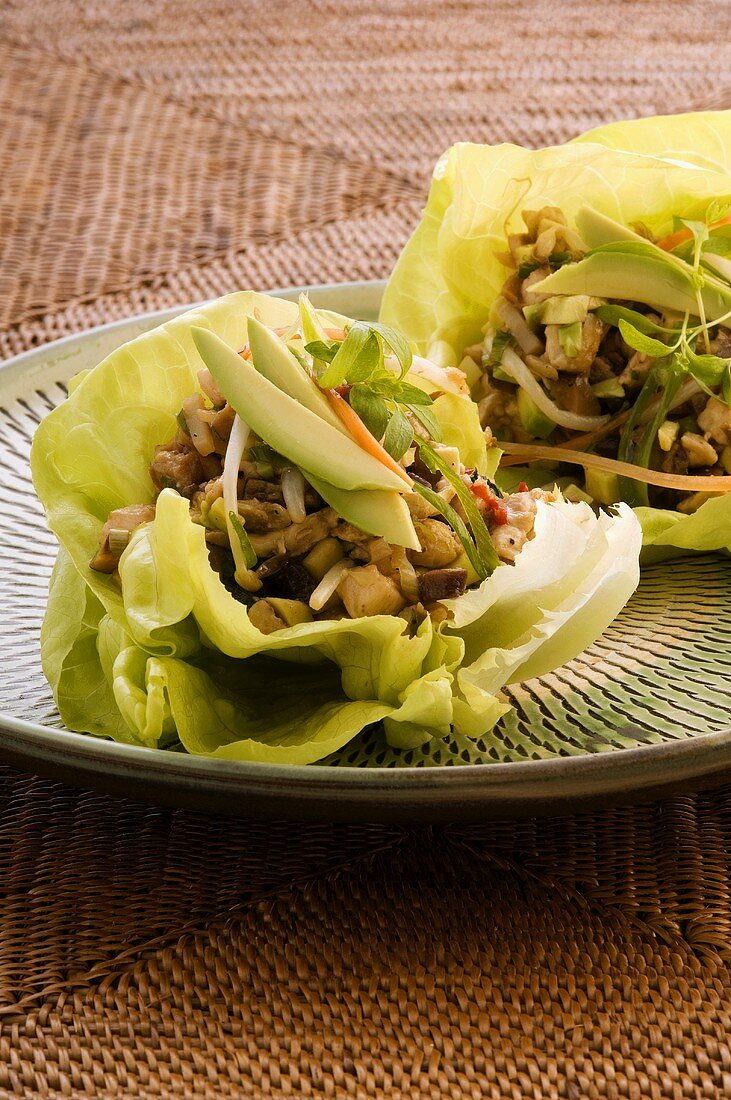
<point x="155" y="153"/>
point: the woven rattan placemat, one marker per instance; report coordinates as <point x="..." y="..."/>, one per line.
<point x="155" y="153"/>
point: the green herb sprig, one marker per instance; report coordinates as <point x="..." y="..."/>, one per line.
<point x="381" y="398"/>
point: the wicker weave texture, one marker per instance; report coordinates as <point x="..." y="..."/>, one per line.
<point x="155" y="153"/>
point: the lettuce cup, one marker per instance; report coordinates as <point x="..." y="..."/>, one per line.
<point x="279" y="526"/>
<point x="585" y="290"/>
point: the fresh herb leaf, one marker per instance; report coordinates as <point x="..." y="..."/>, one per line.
<point x="717" y="211"/>
<point x="456" y="523"/>
<point x="318" y="349"/>
<point x="246" y="548"/>
<point x="398" y="435"/>
<point x="398" y="344"/>
<point x="718" y="245"/>
<point x="368" y="362"/>
<point x="371" y="408"/>
<point x="726" y="385"/>
<point x="612" y="315"/>
<point x="403" y="392"/>
<point x="647" y="345"/>
<point x="708" y="370"/>
<point x="427" y="417"/>
<point x="485" y="549"/>
<point x="346" y="356"/>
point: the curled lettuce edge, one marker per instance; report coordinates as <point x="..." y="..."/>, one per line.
<point x="172" y="655"/>
<point x="448" y="275"/>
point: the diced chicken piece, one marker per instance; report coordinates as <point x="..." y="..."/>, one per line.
<point x="441" y="584"/>
<point x="592" y="332"/>
<point x="177" y="466"/>
<point x="120" y="525"/>
<point x="439" y="544"/>
<point x="301" y="537"/>
<point x="510" y="538"/>
<point x="259" y="516"/>
<point x="715" y="421"/>
<point x="699" y="451"/>
<point x="365" y="591"/>
<point x="255" y="488"/>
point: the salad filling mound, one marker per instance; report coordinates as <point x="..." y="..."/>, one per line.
<point x="612" y="375"/>
<point x="290" y="557"/>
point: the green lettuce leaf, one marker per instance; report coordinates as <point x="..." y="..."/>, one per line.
<point x="668" y="534"/>
<point x="702" y="138"/>
<point x="172" y="656"/>
<point x="448" y="275"/>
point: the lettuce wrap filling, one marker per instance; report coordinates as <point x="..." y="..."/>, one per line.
<point x="585" y="290"/>
<point x="278" y="526"/>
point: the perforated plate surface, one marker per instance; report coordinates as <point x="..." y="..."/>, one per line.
<point x="656" y="682"/>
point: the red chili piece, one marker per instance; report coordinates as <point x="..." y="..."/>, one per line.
<point x="493" y="505"/>
<point x="523" y="488"/>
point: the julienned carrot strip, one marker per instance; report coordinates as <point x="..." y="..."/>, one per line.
<point x="680" y="236"/>
<point x="334" y="333"/>
<point x="362" y="436"/>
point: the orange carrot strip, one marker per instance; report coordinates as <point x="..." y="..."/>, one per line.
<point x="680" y="236"/>
<point x="362" y="436"/>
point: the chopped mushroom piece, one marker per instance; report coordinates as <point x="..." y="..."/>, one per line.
<point x="441" y="584"/>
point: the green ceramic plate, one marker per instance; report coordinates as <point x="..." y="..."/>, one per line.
<point x="644" y="711"/>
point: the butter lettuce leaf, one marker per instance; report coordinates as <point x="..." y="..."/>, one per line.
<point x="669" y="534"/>
<point x="449" y="273"/>
<point x="172" y="658"/>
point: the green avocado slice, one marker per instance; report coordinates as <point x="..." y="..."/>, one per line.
<point x="374" y="512"/>
<point x="634" y="277"/>
<point x="598" y="229"/>
<point x="288" y="427"/>
<point x="277" y="363"/>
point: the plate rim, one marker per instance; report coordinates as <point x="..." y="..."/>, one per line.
<point x="570" y="775"/>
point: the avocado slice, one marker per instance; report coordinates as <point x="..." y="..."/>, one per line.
<point x="568" y="310"/>
<point x="597" y="229"/>
<point x="376" y="513"/>
<point x="602" y="486"/>
<point x="638" y="277"/>
<point x="290" y="428"/>
<point x="277" y="363"/>
<point x="535" y="422"/>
